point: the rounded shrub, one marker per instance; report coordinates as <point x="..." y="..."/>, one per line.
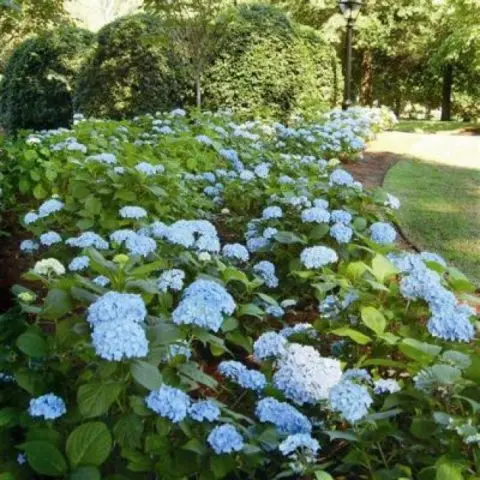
<point x="36" y="90"/>
<point x="131" y="71"/>
<point x="266" y="63"/>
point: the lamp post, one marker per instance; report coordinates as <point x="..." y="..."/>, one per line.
<point x="350" y="10"/>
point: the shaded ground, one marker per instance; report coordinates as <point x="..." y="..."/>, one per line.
<point x="435" y="126"/>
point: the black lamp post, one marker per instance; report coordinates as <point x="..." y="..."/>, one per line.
<point x="350" y="10"/>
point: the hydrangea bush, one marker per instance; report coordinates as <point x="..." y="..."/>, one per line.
<point x="237" y="309"/>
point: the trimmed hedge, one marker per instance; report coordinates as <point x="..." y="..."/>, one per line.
<point x="131" y="72"/>
<point x="266" y="63"/>
<point x="36" y="90"/>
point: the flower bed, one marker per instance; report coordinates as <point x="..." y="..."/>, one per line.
<point x="211" y="299"/>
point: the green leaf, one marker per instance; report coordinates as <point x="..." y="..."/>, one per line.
<point x="356" y="269"/>
<point x="94" y="399"/>
<point x="39" y="192"/>
<point x="146" y="375"/>
<point x="355" y="335"/>
<point x="89" y="444"/>
<point x="288" y="238"/>
<point x="222" y="465"/>
<point x="195" y="445"/>
<point x="93" y="205"/>
<point x="323" y="476"/>
<point x="33" y="344"/>
<point x="128" y="431"/>
<point x="420" y="351"/>
<point x="448" y="471"/>
<point x="231" y="273"/>
<point x="251" y="310"/>
<point x="45" y="458"/>
<point x="192" y="371"/>
<point x="57" y="304"/>
<point x="374" y="319"/>
<point x="383" y="268"/>
<point x="86" y="473"/>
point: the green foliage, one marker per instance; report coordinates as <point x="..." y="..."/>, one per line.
<point x="129" y="73"/>
<point x="265" y="64"/>
<point x="36" y="91"/>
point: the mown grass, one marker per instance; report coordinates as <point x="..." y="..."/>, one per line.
<point x="432" y="126"/>
<point x="440" y="210"/>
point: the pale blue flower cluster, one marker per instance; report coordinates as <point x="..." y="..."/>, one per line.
<point x="88" y="239"/>
<point x="299" y="328"/>
<point x="204" y="410"/>
<point x="318" y="257"/>
<point x="382" y="233"/>
<point x="341" y="216"/>
<point x="232" y="157"/>
<point x="266" y="271"/>
<point x="198" y="234"/>
<point x="79" y="263"/>
<point x="275" y="311"/>
<point x="50" y="238"/>
<point x="169" y="402"/>
<point x="315" y="215"/>
<point x="239" y="373"/>
<point x="351" y="400"/>
<point x="304" y="376"/>
<point x="49" y="407"/>
<point x="272" y="213"/>
<point x="340" y="178"/>
<point x="118" y="332"/>
<point x="235" y="251"/>
<point x="246" y="175"/>
<point x="262" y="170"/>
<point x="140" y="245"/>
<point x="392" y="202"/>
<point x="105" y="158"/>
<point x="225" y="439"/>
<point x="29" y="246"/>
<point x="148" y="169"/>
<point x="341" y="233"/>
<point x="357" y="374"/>
<point x="178" y="349"/>
<point x="269" y="345"/>
<point x="133" y="212"/>
<point x="171" y="280"/>
<point x="320" y="203"/>
<point x="50" y="206"/>
<point x="386" y="386"/>
<point x="286" y="418"/>
<point x="101" y="281"/>
<point x="204" y="304"/>
<point x="299" y="441"/>
<point x="204" y="140"/>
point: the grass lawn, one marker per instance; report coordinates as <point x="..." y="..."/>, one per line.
<point x="431" y="126"/>
<point x="440" y="210"/>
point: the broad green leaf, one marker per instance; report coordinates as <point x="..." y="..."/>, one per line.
<point x="323" y="476"/>
<point x="86" y="473"/>
<point x="374" y="319"/>
<point x="146" y="375"/>
<point x="448" y="471"/>
<point x="231" y="273"/>
<point x="195" y="445"/>
<point x="33" y="344"/>
<point x="419" y="351"/>
<point x="94" y="399"/>
<point x="355" y="335"/>
<point x="288" y="238"/>
<point x="57" y="304"/>
<point x="252" y="310"/>
<point x="89" y="444"/>
<point x="45" y="458"/>
<point x="192" y="371"/>
<point x="356" y="269"/>
<point x="383" y="268"/>
<point x="39" y="192"/>
<point x="128" y="431"/>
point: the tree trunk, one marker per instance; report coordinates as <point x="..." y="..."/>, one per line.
<point x="198" y="90"/>
<point x="366" y="85"/>
<point x="447" y="93"/>
<point x="398" y="107"/>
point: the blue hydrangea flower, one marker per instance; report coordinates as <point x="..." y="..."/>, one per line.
<point x="101" y="281"/>
<point x="171" y="280"/>
<point x="119" y="170"/>
<point x="321" y="203"/>
<point x="88" y="239"/>
<point x="169" y="403"/>
<point x="105" y="158"/>
<point x="209" y="177"/>
<point x="148" y="169"/>
<point x="285" y="180"/>
<point x="204" y="140"/>
<point x="47" y="406"/>
<point x="114" y="307"/>
<point x="204" y="303"/>
<point x="50" y="206"/>
<point x="452" y="323"/>
<point x="232" y="157"/>
<point x="198" y="234"/>
<point x="133" y="212"/>
<point x="21" y="459"/>
<point x="382" y="233"/>
<point x="275" y="311"/>
<point x="269" y="345"/>
<point x="119" y="341"/>
<point x="341" y="216"/>
<point x="121" y="236"/>
<point x="351" y="400"/>
<point x="318" y="257"/>
<point x="262" y="170"/>
<point x="29" y="246"/>
<point x="301" y="441"/>
<point x="359" y="374"/>
<point x="238" y="373"/>
<point x="140" y="245"/>
<point x="432" y="257"/>
<point x="340" y="178"/>
<point x="272" y="212"/>
<point x="204" y="410"/>
<point x="341" y="233"/>
<point x="269" y="233"/>
<point x="285" y="417"/>
<point x="225" y="439"/>
<point x="246" y="175"/>
<point x="298" y="328"/>
<point x="266" y="271"/>
<point x="304" y="376"/>
<point x="79" y="263"/>
<point x="235" y="251"/>
<point x="255" y="244"/>
<point x="50" y="238"/>
<point x="315" y="215"/>
<point x="386" y="386"/>
<point x="30" y="217"/>
<point x="392" y="202"/>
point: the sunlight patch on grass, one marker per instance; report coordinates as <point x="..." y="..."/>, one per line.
<point x="440" y="210"/>
<point x="431" y="126"/>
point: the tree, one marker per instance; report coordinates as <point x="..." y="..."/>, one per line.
<point x="21" y="18"/>
<point x="191" y="28"/>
